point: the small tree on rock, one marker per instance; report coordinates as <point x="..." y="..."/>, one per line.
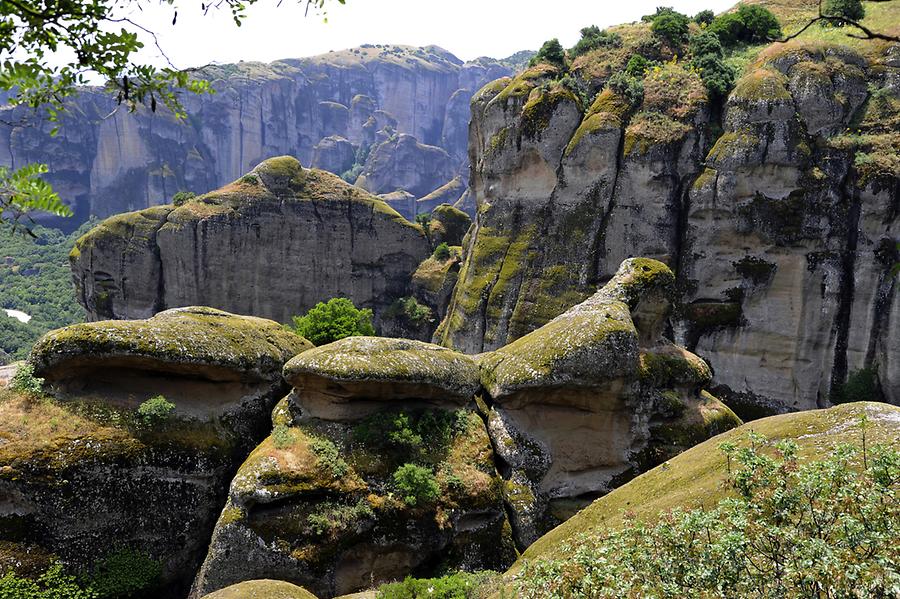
<point x="335" y="319"/>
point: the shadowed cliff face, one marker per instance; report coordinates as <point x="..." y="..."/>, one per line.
<point x="782" y="227"/>
<point x="107" y="161"/>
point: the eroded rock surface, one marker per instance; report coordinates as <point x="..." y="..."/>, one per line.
<point x="781" y="229"/>
<point x="84" y="474"/>
<point x="321" y="502"/>
<point x="594" y="397"/>
<point x="273" y="243"/>
<point x="108" y="161"/>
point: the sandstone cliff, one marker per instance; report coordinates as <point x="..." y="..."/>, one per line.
<point x="84" y="475"/>
<point x="273" y="243"/>
<point x="104" y="162"/>
<point x="781" y="227"/>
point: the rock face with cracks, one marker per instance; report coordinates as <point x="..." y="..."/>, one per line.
<point x="594" y="397"/>
<point x="377" y="467"/>
<point x="85" y="474"/>
<point x="782" y="227"/>
<point x="273" y="243"/>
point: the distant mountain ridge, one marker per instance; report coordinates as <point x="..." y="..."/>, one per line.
<point x="106" y="161"/>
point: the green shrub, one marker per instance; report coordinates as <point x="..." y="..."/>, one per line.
<point x="637" y="66"/>
<point x="592" y="38"/>
<point x="335" y="319"/>
<point x="409" y="309"/>
<point x="708" y="57"/>
<point x="52" y="584"/>
<point x="155" y="410"/>
<point x="124" y="574"/>
<point x="671" y="26"/>
<point x="704" y="17"/>
<point x="416" y="484"/>
<point x="336" y="517"/>
<point x="551" y="52"/>
<point x="410" y="434"/>
<point x="24" y="380"/>
<point x="821" y="529"/>
<point x="181" y="197"/>
<point x="845" y="9"/>
<point x="424" y="219"/>
<point x="442" y="252"/>
<point x="750" y="24"/>
<point x="461" y="585"/>
<point x="628" y="86"/>
<point x="329" y="457"/>
<point x="861" y="385"/>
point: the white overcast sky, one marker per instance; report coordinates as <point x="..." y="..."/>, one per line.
<point x="468" y="28"/>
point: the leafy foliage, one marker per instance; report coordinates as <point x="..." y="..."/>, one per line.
<point x="551" y="52"/>
<point x="23" y="191"/>
<point x="461" y="585"/>
<point x="821" y="529"/>
<point x="52" y="584"/>
<point x="592" y="38"/>
<point x="331" y="517"/>
<point x="410" y="310"/>
<point x="155" y="410"/>
<point x="442" y="252"/>
<point x="125" y="573"/>
<point x="708" y="57"/>
<point x="181" y="197"/>
<point x="329" y="456"/>
<point x="24" y="380"/>
<point x="847" y="9"/>
<point x="36" y="279"/>
<point x="409" y="435"/>
<point x="704" y="17"/>
<point x="335" y="319"/>
<point x="628" y="86"/>
<point x="637" y="66"/>
<point x="748" y="24"/>
<point x="416" y="484"/>
<point x="671" y="26"/>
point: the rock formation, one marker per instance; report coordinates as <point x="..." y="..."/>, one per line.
<point x="88" y="474"/>
<point x="273" y="243"/>
<point x="593" y="397"/>
<point x="782" y="228"/>
<point x="129" y="161"/>
<point x="325" y="501"/>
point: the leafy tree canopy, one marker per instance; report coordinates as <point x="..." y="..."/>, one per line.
<point x="551" y="52"/>
<point x="592" y="38"/>
<point x="335" y="319"/>
<point x="671" y="26"/>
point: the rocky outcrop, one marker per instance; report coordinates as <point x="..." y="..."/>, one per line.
<point x="594" y="397"/>
<point x="402" y="162"/>
<point x="448" y="193"/>
<point x="378" y="467"/>
<point x="104" y="164"/>
<point x="334" y="154"/>
<point x="91" y="472"/>
<point x="273" y="243"/>
<point x="448" y="225"/>
<point x="780" y="228"/>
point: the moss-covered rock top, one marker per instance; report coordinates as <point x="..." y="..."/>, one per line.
<point x="593" y="342"/>
<point x="394" y="368"/>
<point x="694" y="478"/>
<point x="275" y="180"/>
<point x="449" y="224"/>
<point x="199" y="341"/>
<point x="262" y="589"/>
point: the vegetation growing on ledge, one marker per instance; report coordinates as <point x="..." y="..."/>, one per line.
<point x="648" y="130"/>
<point x="335" y="319"/>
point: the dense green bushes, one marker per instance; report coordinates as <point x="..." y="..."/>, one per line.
<point x="416" y="484"/>
<point x="750" y="24"/>
<point x="155" y="411"/>
<point x="670" y="25"/>
<point x="708" y="57"/>
<point x="35" y="278"/>
<point x="332" y="320"/>
<point x="591" y="39"/>
<point x="461" y="585"/>
<point x="551" y="52"/>
<point x="847" y="9"/>
<point x="820" y="529"/>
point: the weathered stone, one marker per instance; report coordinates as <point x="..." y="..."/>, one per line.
<point x="273" y="244"/>
<point x="84" y="474"/>
<point x="333" y="153"/>
<point x="448" y="225"/>
<point x="402" y="162"/>
<point x="594" y="397"/>
<point x="348" y="379"/>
